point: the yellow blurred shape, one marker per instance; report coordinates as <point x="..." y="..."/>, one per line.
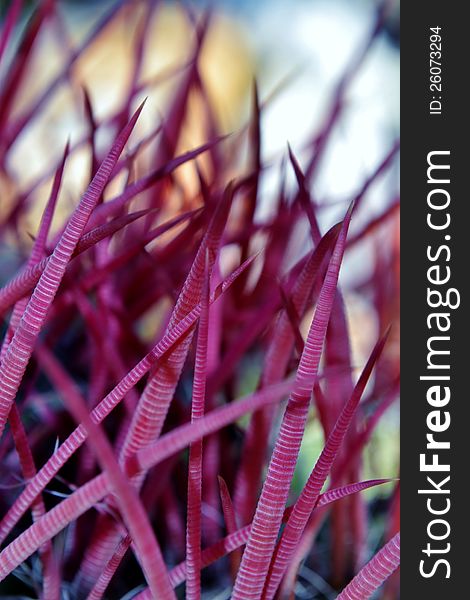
<point x="105" y="69"/>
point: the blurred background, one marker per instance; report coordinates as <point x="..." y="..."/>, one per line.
<point x="297" y="50"/>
